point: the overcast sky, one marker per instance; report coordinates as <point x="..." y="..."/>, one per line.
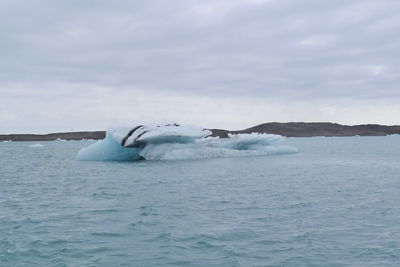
<point x="86" y="65"/>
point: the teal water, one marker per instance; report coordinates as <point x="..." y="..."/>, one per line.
<point x="335" y="203"/>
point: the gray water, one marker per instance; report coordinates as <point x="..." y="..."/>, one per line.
<point x="335" y="203"/>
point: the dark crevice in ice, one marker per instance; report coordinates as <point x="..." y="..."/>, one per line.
<point x="123" y="141"/>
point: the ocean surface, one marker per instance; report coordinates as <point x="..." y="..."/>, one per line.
<point x="335" y="203"/>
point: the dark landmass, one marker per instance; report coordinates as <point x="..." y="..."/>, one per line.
<point x="290" y="129"/>
<point x="308" y="129"/>
<point x="54" y="136"/>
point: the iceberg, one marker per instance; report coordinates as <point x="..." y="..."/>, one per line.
<point x="172" y="141"/>
<point x="36" y="145"/>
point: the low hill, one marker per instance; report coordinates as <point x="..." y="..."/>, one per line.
<point x="306" y="129"/>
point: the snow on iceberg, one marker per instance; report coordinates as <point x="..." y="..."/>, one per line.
<point x="174" y="141"/>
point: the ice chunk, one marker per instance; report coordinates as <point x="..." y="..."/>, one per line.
<point x="36" y="145"/>
<point x="173" y="141"/>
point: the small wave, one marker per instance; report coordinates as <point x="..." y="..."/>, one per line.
<point x="175" y="142"/>
<point x="106" y="234"/>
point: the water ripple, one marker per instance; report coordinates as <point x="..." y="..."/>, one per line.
<point x="311" y="209"/>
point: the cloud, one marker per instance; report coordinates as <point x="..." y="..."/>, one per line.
<point x="241" y="52"/>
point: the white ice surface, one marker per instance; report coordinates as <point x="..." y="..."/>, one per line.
<point x="160" y="134"/>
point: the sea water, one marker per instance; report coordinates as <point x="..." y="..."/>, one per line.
<point x="334" y="203"/>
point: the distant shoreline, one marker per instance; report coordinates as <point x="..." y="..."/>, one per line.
<point x="95" y="135"/>
<point x="290" y="129"/>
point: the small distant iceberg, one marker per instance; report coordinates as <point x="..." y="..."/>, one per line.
<point x="172" y="141"/>
<point x="36" y="145"/>
<point x="60" y="140"/>
<point x="394" y="135"/>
